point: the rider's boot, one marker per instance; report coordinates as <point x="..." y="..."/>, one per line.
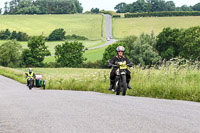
<point x="111" y="85"/>
<point x="128" y="85"/>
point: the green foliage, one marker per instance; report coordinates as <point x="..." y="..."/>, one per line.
<point x="110" y="52"/>
<point x="57" y="35"/>
<point x="163" y="14"/>
<point x="152" y="6"/>
<point x="196" y="7"/>
<point x="95" y="10"/>
<point x="70" y="54"/>
<point x="43" y="7"/>
<point x="116" y="16"/>
<point x="5" y="34"/>
<point x="190" y="42"/>
<point x="36" y="53"/>
<point x="22" y="36"/>
<point x="129" y="41"/>
<point x="167" y="44"/>
<point x="19" y="36"/>
<point x="10" y="54"/>
<point x="75" y="37"/>
<point x="143" y="52"/>
<point x="121" y="7"/>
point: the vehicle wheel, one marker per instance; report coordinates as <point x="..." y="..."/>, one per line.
<point x="124" y="84"/>
<point x="30" y="85"/>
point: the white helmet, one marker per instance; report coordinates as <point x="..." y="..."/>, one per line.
<point x="120" y="48"/>
<point x="30" y="70"/>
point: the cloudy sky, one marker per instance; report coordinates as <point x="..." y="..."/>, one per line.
<point x="110" y="4"/>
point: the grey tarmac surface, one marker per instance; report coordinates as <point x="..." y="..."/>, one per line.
<point x="56" y="111"/>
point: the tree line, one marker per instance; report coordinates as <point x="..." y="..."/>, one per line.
<point x="148" y="50"/>
<point x="153" y="6"/>
<point x="145" y="50"/>
<point x="55" y="35"/>
<point x="43" y="7"/>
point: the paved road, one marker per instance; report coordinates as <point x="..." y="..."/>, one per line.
<point x="108" y="32"/>
<point x="54" y="111"/>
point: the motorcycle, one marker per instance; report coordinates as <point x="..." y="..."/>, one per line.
<point x="120" y="79"/>
<point x="30" y="81"/>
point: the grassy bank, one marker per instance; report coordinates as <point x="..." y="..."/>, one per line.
<point x="135" y="26"/>
<point x="167" y="82"/>
<point x="79" y="24"/>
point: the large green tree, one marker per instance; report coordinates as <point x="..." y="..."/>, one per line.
<point x="70" y="54"/>
<point x="129" y="41"/>
<point x="10" y="54"/>
<point x="143" y="52"/>
<point x="196" y="7"/>
<point x="167" y="44"/>
<point x="190" y="43"/>
<point x="43" y="7"/>
<point x="36" y="53"/>
<point x="121" y="7"/>
<point x="57" y="35"/>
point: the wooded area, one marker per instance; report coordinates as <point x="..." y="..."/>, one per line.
<point x="42" y="7"/>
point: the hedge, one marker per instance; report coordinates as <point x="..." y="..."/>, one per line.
<point x="163" y="14"/>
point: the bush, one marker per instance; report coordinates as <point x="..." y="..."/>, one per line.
<point x="189" y="41"/>
<point x="57" y="35"/>
<point x="19" y="36"/>
<point x="75" y="37"/>
<point x="143" y="52"/>
<point x="5" y="34"/>
<point x="70" y="54"/>
<point x="129" y="41"/>
<point x="34" y="56"/>
<point x="163" y="14"/>
<point x="116" y="16"/>
<point x="167" y="44"/>
<point x="10" y="54"/>
<point x="22" y="36"/>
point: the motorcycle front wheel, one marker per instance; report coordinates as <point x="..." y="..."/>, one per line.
<point x="124" y="84"/>
<point x="30" y="84"/>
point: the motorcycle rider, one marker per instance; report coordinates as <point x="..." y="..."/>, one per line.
<point x="114" y="61"/>
<point x="30" y="74"/>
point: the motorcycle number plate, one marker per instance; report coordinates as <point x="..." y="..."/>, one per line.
<point x="123" y="65"/>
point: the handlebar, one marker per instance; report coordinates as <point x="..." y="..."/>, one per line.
<point x="129" y="65"/>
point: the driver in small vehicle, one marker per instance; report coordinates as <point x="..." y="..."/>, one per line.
<point x="30" y="74"/>
<point x="114" y="61"/>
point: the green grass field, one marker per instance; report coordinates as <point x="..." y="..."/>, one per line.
<point x="135" y="26"/>
<point x="81" y="24"/>
<point x="91" y="55"/>
<point x="95" y="54"/>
